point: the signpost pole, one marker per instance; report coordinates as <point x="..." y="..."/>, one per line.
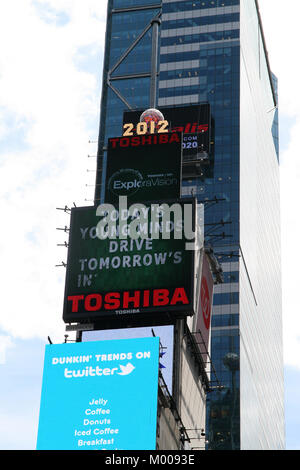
<point x="153" y="84"/>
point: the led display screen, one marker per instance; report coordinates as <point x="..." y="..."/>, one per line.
<point x="193" y="121"/>
<point x="116" y="277"/>
<point x="144" y="167"/>
<point x="100" y="395"/>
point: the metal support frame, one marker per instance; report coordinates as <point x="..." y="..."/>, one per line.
<point x="154" y="24"/>
<point x="168" y="402"/>
<point x="109" y="82"/>
<point x="199" y="349"/>
<point x="154" y="65"/>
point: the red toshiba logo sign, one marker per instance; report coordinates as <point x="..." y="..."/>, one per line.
<point x="123" y="300"/>
<point x="205" y="296"/>
<point x="143" y="140"/>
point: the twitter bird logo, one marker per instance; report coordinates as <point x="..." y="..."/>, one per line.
<point x="126" y="370"/>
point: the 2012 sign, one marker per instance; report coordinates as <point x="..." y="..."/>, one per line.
<point x="143" y="128"/>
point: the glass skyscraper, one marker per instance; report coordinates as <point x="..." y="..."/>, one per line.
<point x="215" y="52"/>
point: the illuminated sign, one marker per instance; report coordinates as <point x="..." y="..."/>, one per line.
<point x="144" y="141"/>
<point x="143" y="128"/>
<point x="144" y="167"/>
<point x="100" y="395"/>
<point x="151" y="121"/>
<point x="203" y="320"/>
<point x="129" y="300"/>
<point x="129" y="277"/>
<point x="193" y="121"/>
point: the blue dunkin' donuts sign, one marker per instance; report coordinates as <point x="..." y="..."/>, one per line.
<point x="100" y="395"/>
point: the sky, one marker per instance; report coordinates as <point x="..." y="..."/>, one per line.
<point x="51" y="55"/>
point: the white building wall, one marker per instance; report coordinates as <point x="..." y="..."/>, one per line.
<point x="261" y="380"/>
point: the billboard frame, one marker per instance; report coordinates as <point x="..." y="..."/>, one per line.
<point x="148" y="315"/>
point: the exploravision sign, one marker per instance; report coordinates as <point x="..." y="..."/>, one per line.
<point x="144" y="168"/>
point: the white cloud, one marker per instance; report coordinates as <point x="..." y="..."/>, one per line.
<point x="281" y="26"/>
<point x="281" y="31"/>
<point x="290" y="183"/>
<point x="43" y="167"/>
<point x="5" y="343"/>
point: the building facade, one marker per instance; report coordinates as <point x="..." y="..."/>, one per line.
<point x="215" y="52"/>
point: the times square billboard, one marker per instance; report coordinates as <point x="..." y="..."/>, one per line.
<point x="100" y="395"/>
<point x="202" y="319"/>
<point x="109" y="277"/>
<point x="114" y="274"/>
<point x="144" y="167"/>
<point x="194" y="122"/>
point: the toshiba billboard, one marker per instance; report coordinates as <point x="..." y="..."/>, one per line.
<point x="194" y="122"/>
<point x="118" y="276"/>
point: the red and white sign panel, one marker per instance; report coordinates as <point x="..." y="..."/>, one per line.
<point x="204" y="308"/>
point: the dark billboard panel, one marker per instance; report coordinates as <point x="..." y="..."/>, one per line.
<point x="115" y="277"/>
<point x="193" y="121"/>
<point x="100" y="395"/>
<point x="144" y="167"/>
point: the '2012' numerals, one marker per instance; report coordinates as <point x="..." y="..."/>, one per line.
<point x="143" y="128"/>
